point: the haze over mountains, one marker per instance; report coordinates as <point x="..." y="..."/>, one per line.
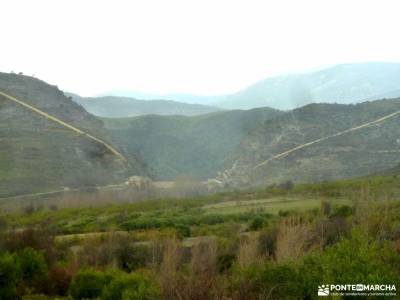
<point x="346" y="83"/>
<point x="118" y="107"/>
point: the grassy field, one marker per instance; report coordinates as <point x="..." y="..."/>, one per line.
<point x="239" y="206"/>
<point x="271" y="206"/>
<point x="207" y="247"/>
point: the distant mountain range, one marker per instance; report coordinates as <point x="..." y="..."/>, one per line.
<point x="343" y="84"/>
<point x="179" y="97"/>
<point x="119" y="107"/>
<point x="347" y="83"/>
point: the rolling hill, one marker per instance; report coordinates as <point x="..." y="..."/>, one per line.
<point x="197" y="146"/>
<point x="38" y="154"/>
<point x="120" y="107"/>
<point x="323" y="146"/>
<point x="344" y="84"/>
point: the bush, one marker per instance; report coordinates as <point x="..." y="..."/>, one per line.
<point x="131" y="257"/>
<point x="183" y="231"/>
<point x="351" y="261"/>
<point x="269" y="281"/>
<point x="59" y="279"/>
<point x="88" y="284"/>
<point x="359" y="260"/>
<point x="33" y="268"/>
<point x="225" y="262"/>
<point x="257" y="223"/>
<point x="39" y="239"/>
<point x="131" y="287"/>
<point x="267" y="241"/>
<point x="342" y="211"/>
<point x="9" y="276"/>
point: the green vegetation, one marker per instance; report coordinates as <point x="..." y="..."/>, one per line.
<point x="193" y="248"/>
<point x="174" y="146"/>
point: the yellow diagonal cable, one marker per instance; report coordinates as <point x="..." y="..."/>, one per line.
<point x="62" y="123"/>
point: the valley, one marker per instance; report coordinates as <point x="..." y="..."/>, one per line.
<point x="199" y="150"/>
<point x="200" y="205"/>
<point x="176" y="146"/>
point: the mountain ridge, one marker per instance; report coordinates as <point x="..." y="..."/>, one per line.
<point x="344" y="83"/>
<point x="119" y="107"/>
<point x="33" y="145"/>
<point x="356" y="153"/>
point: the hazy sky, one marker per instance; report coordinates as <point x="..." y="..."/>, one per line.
<point x="203" y="47"/>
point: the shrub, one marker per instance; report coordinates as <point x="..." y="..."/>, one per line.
<point x="131" y="257"/>
<point x="225" y="262"/>
<point x="183" y="231"/>
<point x="351" y="261"/>
<point x="342" y="211"/>
<point x="359" y="260"/>
<point x="38" y="239"/>
<point x="59" y="279"/>
<point x="268" y="281"/>
<point x="33" y="268"/>
<point x="257" y="223"/>
<point x="267" y="241"/>
<point x="332" y="230"/>
<point x="294" y="239"/>
<point x="88" y="284"/>
<point x="9" y="276"/>
<point x="131" y="287"/>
